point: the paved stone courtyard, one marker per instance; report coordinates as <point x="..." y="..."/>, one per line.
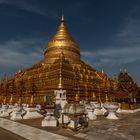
<point x="126" y="128"/>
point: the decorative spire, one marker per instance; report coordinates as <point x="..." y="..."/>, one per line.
<point x="4" y="101"/>
<point x="62" y="18"/>
<point x="32" y="100"/>
<point x="102" y="70"/>
<point x="77" y="98"/>
<point x="11" y="99"/>
<point x="106" y="98"/>
<point x="20" y="69"/>
<point x="125" y="71"/>
<point x="86" y="92"/>
<point x="93" y="96"/>
<point x="60" y="81"/>
<point x="60" y="84"/>
<point x="99" y="96"/>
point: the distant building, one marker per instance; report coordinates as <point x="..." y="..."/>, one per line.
<point x="128" y="93"/>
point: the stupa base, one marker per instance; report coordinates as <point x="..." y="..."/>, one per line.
<point x="112" y="116"/>
<point x="16" y="116"/>
<point x="49" y="121"/>
<point x="32" y="114"/>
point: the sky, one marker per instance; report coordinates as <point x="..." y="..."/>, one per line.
<point x="107" y="32"/>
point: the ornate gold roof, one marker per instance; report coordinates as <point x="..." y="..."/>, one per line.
<point x="62" y="41"/>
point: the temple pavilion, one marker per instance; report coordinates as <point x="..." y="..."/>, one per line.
<point x="61" y="69"/>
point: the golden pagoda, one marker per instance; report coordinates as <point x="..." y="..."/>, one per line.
<point x="61" y="68"/>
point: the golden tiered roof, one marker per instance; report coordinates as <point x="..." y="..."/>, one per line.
<point x="62" y="41"/>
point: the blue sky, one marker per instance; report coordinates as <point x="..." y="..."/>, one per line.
<point x="107" y="31"/>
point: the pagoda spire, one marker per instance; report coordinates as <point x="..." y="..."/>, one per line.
<point x="62" y="39"/>
<point x="125" y="71"/>
<point x="62" y="18"/>
<point x="103" y="70"/>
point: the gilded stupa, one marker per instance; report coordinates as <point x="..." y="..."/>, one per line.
<point x="62" y="41"/>
<point x="61" y="68"/>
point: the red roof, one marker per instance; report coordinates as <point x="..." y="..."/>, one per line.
<point x="121" y="94"/>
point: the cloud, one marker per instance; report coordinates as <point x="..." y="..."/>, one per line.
<point x="124" y="49"/>
<point x="129" y="35"/>
<point x="113" y="56"/>
<point x="19" y="52"/>
<point x="125" y="46"/>
<point x="49" y="9"/>
<point x="30" y="6"/>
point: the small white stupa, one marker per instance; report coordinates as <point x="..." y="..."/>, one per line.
<point x="4" y="109"/>
<point x="17" y="111"/>
<point x="32" y="111"/>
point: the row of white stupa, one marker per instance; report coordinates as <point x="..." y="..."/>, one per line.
<point x="92" y="109"/>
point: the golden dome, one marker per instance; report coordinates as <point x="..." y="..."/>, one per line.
<point x="62" y="41"/>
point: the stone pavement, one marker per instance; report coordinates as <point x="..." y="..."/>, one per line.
<point x="126" y="128"/>
<point x="29" y="132"/>
<point x="7" y="135"/>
